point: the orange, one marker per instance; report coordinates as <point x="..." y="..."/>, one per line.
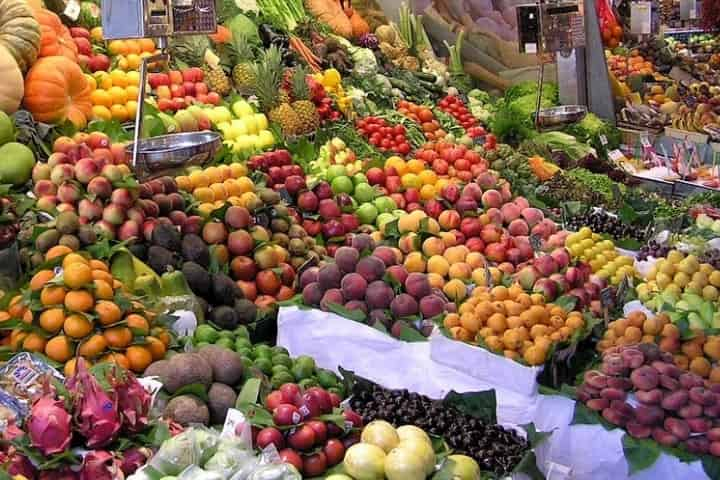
<point x="103" y="290"/>
<point x="77" y="275"/>
<point x="156" y="347"/>
<point x="119" y="113"/>
<point x="131" y="108"/>
<point x="139" y="357"/>
<point x="102" y="275"/>
<point x="204" y="194"/>
<point x="214" y="175"/>
<point x="117" y="359"/>
<point x="52" y="319"/>
<point x="17" y="307"/>
<point x="59" y="349"/>
<point x="16" y="339"/>
<point x="199" y="179"/>
<point x="91" y="82"/>
<point x="79" y="301"/>
<point x="101" y="112"/>
<point x="71" y="365"/>
<point x="184" y="183"/>
<point x="118" y="95"/>
<point x="101" y="98"/>
<point x="133" y="79"/>
<point x="119" y="78"/>
<point x="133" y="46"/>
<point x="118" y="337"/>
<point x="38" y="281"/>
<point x="415" y="166"/>
<point x="219" y="191"/>
<point x="74" y="258"/>
<point x="107" y="312"/>
<point x="117" y="47"/>
<point x="133" y="60"/>
<point x="52" y="295"/>
<point x="57" y="251"/>
<point x="93" y="346"/>
<point x="77" y="326"/>
<point x="162" y="335"/>
<point x="33" y="342"/>
<point x="232" y="188"/>
<point x="135" y="321"/>
<point x="27" y="316"/>
<point x="147" y="44"/>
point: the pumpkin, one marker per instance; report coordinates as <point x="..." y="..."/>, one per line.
<point x="55" y="37"/>
<point x="19" y="32"/>
<point x="56" y="89"/>
<point x="12" y="87"/>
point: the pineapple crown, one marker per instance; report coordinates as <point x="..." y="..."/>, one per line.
<point x="268" y="76"/>
<point x="189" y="49"/>
<point x="241" y="48"/>
<point x="300" y="89"/>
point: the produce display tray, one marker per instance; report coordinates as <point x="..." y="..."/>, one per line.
<point x="695" y="137"/>
<point x="684" y="188"/>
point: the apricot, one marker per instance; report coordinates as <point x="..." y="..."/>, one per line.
<point x="470" y="322"/>
<point x="575" y="323"/>
<point x="636" y="318"/>
<point x="651" y="326"/>
<point x="620" y="326"/>
<point x="455" y="255"/>
<point x="451" y="320"/>
<point x="414" y="262"/>
<point x="534" y="356"/>
<point x="460" y="270"/>
<point x="494" y="343"/>
<point x="671" y="331"/>
<point x="712" y="348"/>
<point x="436" y="281"/>
<point x="497" y="322"/>
<point x="700" y="366"/>
<point x="633" y="334"/>
<point x="514" y="322"/>
<point x="692" y="350"/>
<point x="439" y="265"/>
<point x="484" y="332"/>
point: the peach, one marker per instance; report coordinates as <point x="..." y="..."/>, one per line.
<point x="518" y="227"/>
<point x="433" y="246"/>
<point x="492" y="199"/>
<point x="532" y="216"/>
<point x="510" y="212"/>
<point x="329" y="276"/>
<point x="455" y="255"/>
<point x="411" y="222"/>
<point x="495" y="252"/>
<point x="495" y="216"/>
<point x="404" y="305"/>
<point x="541" y="230"/>
<point x="334" y="295"/>
<point x="455" y="290"/>
<point x="240" y="243"/>
<point x="460" y="270"/>
<point x="408" y="242"/>
<point x="491" y="234"/>
<point x="415" y="262"/>
<point x="478" y="277"/>
<point x="353" y="286"/>
<point x="432" y="226"/>
<point x="448" y="238"/>
<point x="439" y="265"/>
<point x="475" y="259"/>
<point x="41" y="171"/>
<point x="371" y="268"/>
<point x="62" y="173"/>
<point x="63" y="144"/>
<point x="387" y="255"/>
<point x="44" y="187"/>
<point x="398" y="272"/>
<point x="379" y="295"/>
<point x="417" y="285"/>
<point x="522" y="203"/>
<point x="449" y="219"/>
<point x="346" y="259"/>
<point x="436" y="281"/>
<point x="431" y="306"/>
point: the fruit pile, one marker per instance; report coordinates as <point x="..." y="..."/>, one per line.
<point x="213" y="186"/>
<point x="83" y="311"/>
<point x="494" y="448"/>
<point x="94" y="62"/>
<point x="383" y="135"/>
<point x="423" y="116"/>
<point x="303" y="438"/>
<point x="246" y="133"/>
<point x="177" y="89"/>
<point x="335" y="151"/>
<point x="514" y="323"/>
<point x="600" y="221"/>
<point x="129" y="53"/>
<point x="678" y="274"/>
<point x="672" y="407"/>
<point x="456" y="161"/>
<point x="281" y="171"/>
<point x="358" y="283"/>
<point x="114" y="95"/>
<point x="601" y="255"/>
<point x="454" y="105"/>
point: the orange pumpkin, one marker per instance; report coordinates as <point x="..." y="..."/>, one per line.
<point x="55" y="38"/>
<point x="56" y="89"/>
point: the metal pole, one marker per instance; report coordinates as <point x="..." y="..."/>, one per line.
<point x="541" y="70"/>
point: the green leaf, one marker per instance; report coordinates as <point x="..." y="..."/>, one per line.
<point x="409" y="334"/>
<point x="534" y="436"/>
<point x="584" y="416"/>
<point x="249" y="392"/>
<point x="711" y="465"/>
<point x="639" y="453"/>
<point x="566" y="302"/>
<point x="196" y="389"/>
<point x="528" y="466"/>
<point x="356" y="315"/>
<point x="336" y="417"/>
<point x="111" y="128"/>
<point x="482" y="405"/>
<point x="257" y="415"/>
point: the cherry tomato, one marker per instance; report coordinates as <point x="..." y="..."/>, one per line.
<point x="403" y="148"/>
<point x="399" y="139"/>
<point x="399" y="129"/>
<point x="385" y="143"/>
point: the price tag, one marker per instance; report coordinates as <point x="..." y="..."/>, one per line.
<point x="236" y="424"/>
<point x="622" y="290"/>
<point x="640" y="18"/>
<point x="72" y="10"/>
<point x="185" y="324"/>
<point x="488" y="276"/>
<point x="616" y="155"/>
<point x="603" y="140"/>
<point x="606" y="301"/>
<point x="536" y="242"/>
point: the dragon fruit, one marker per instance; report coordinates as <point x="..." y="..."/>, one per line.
<point x="368" y="40"/>
<point x="49" y="426"/>
<point x="133" y="401"/>
<point x="96" y="412"/>
<point x="134" y="458"/>
<point x="100" y="465"/>
<point x="20" y="465"/>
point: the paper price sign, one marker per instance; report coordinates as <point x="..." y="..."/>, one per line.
<point x="640" y="18"/>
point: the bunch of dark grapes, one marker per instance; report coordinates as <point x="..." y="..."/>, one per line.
<point x="711" y="256"/>
<point x="600" y="221"/>
<point x="653" y="249"/>
<point x="494" y="448"/>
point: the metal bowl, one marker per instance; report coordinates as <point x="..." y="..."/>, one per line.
<point x="560" y="116"/>
<point x="166" y="154"/>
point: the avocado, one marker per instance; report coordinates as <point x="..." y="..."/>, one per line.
<point x="166" y="236"/>
<point x="161" y="259"/>
<point x="224" y="290"/>
<point x="224" y="317"/>
<point x="220" y="398"/>
<point x="246" y="311"/>
<point x="197" y="278"/>
<point x="194" y="249"/>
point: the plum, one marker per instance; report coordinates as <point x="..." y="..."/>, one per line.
<point x="379" y="295"/>
<point x="633" y="357"/>
<point x="638" y="430"/>
<point x="431" y="306"/>
<point x="698" y="425"/>
<point x="379" y="315"/>
<point x="614" y="417"/>
<point x="649" y="414"/>
<point x="371" y="268"/>
<point x="346" y="259"/>
<point x="353" y="286"/>
<point x="386" y="254"/>
<point x="310" y="275"/>
<point x="622" y="383"/>
<point x="677" y="427"/>
<point x="612" y="394"/>
<point x="417" y="285"/>
<point x="669" y="383"/>
<point x="312" y="294"/>
<point x="404" y="305"/>
<point x="362" y="241"/>
<point x="675" y="400"/>
<point x="668" y="369"/>
<point x="329" y="276"/>
<point x="334" y="295"/>
<point x="690" y="380"/>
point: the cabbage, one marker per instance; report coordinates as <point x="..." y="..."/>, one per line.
<point x="243" y="26"/>
<point x="365" y="61"/>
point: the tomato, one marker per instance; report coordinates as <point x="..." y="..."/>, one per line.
<point x="490" y="141"/>
<point x="399" y="139"/>
<point x="464" y="175"/>
<point x="403" y="148"/>
<point x="385" y="143"/>
<point x="403" y="104"/>
<point x="375" y="141"/>
<point x="372" y="128"/>
<point x="425" y="115"/>
<point x="462" y="164"/>
<point x="385" y="131"/>
<point x="440" y="166"/>
<point x="399" y="129"/>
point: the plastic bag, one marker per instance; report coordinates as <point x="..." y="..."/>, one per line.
<point x="281" y="471"/>
<point x="188" y="448"/>
<point x="610" y="27"/>
<point x="230" y="457"/>
<point x="196" y="473"/>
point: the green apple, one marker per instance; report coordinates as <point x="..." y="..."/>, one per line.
<point x="267" y="139"/>
<point x="342" y="185"/>
<point x="241" y="109"/>
<point x="366" y="213"/>
<point x="385" y="204"/>
<point x="364" y="193"/>
<point x="384" y="218"/>
<point x="336" y="171"/>
<point x="399" y="213"/>
<point x="359" y="178"/>
<point x="262" y="121"/>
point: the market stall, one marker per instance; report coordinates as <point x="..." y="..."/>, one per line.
<point x="358" y="240"/>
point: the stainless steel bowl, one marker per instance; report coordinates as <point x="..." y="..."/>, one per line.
<point x="167" y="154"/>
<point x="560" y="116"/>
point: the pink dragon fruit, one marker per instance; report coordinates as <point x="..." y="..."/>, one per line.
<point x="49" y="426"/>
<point x="133" y="401"/>
<point x="100" y="465"/>
<point x="96" y="412"/>
<point x="20" y="465"/>
<point x="63" y="473"/>
<point x="134" y="458"/>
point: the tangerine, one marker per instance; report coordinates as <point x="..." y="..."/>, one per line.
<point x="116" y="358"/>
<point x="103" y="290"/>
<point x="107" y="312"/>
<point x="16" y="309"/>
<point x="52" y="295"/>
<point x="93" y="346"/>
<point x="52" y="319"/>
<point x="135" y="321"/>
<point x="156" y="347"/>
<point x="139" y="357"/>
<point x="77" y="274"/>
<point x="79" y="301"/>
<point x="59" y="349"/>
<point x="38" y="281"/>
<point x="118" y="337"/>
<point x="57" y="251"/>
<point x="77" y="326"/>
<point x="33" y="342"/>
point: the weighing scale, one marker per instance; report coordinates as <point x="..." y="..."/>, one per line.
<point x="160" y="20"/>
<point x="558" y="32"/>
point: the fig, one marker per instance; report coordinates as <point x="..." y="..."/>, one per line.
<point x="691" y="410"/>
<point x="679" y="428"/>
<point x="638" y="430"/>
<point x="675" y="400"/>
<point x="614" y="417"/>
<point x="699" y="425"/>
<point x="596" y="379"/>
<point x="613" y="365"/>
<point x="612" y="394"/>
<point x="650" y="397"/>
<point x="666" y="368"/>
<point x="702" y="396"/>
<point x="663" y="437"/>
<point x="690" y="380"/>
<point x="622" y="383"/>
<point x="669" y="383"/>
<point x="598" y="404"/>
<point x="632" y="357"/>
<point x="649" y="414"/>
<point x="645" y="378"/>
<point x="594" y="392"/>
<point x="697" y="445"/>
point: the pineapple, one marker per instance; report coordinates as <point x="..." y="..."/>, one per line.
<point x="215" y="77"/>
<point x="268" y="75"/>
<point x="308" y="117"/>
<point x="242" y="73"/>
